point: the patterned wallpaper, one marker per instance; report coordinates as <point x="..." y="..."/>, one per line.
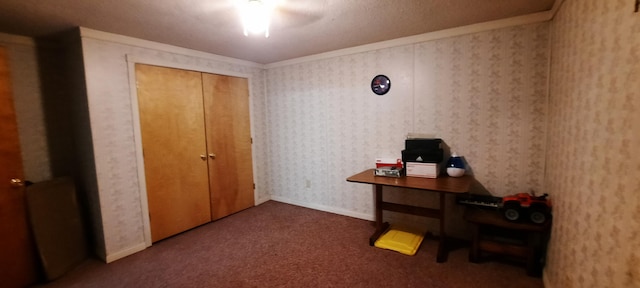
<point x="592" y="162"/>
<point x="484" y="94"/>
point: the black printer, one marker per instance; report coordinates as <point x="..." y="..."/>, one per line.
<point x="425" y="150"/>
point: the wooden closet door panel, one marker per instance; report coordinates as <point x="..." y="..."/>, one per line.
<point x="172" y="128"/>
<point x="228" y="127"/>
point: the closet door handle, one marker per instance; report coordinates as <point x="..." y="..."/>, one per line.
<point x="212" y="156"/>
<point x="203" y="157"/>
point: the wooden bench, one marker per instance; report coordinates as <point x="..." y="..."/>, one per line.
<point x="495" y="235"/>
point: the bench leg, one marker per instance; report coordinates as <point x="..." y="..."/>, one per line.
<point x="475" y="240"/>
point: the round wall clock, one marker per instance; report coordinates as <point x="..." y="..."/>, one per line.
<point x="380" y="84"/>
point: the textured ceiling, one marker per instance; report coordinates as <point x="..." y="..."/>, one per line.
<point x="299" y="27"/>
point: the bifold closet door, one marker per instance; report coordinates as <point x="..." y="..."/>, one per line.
<point x="226" y="101"/>
<point x="174" y="148"/>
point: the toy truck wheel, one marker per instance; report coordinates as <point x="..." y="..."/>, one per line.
<point x="512" y="212"/>
<point x="538" y="215"/>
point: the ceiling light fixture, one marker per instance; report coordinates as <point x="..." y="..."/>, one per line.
<point x="256" y="16"/>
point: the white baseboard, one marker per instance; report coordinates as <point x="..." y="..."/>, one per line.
<point x="110" y="257"/>
<point x="259" y="201"/>
<point x="324" y="208"/>
<point x="124" y="253"/>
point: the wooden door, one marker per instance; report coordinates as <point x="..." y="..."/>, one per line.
<point x="18" y="258"/>
<point x="228" y="127"/>
<point x="174" y="149"/>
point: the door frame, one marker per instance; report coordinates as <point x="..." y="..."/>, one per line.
<point x="132" y="60"/>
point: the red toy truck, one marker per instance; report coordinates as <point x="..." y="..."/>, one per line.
<point x="537" y="208"/>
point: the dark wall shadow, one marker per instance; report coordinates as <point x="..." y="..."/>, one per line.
<point x="67" y="121"/>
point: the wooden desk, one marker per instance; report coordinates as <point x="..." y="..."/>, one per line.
<point x="440" y="185"/>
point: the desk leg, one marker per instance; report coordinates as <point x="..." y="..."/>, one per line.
<point x="442" y="247"/>
<point x="380" y="227"/>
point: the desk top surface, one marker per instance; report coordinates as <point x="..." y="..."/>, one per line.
<point x="441" y="184"/>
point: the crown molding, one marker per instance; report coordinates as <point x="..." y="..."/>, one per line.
<point x="446" y="33"/>
<point x="17" y="40"/>
<point x="555" y="8"/>
<point x="121" y="39"/>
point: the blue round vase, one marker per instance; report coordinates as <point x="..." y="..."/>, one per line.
<point x="455" y="166"/>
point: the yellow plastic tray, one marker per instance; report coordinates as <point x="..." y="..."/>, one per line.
<point x="402" y="241"/>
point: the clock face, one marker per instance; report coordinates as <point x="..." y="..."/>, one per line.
<point x="380" y="84"/>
